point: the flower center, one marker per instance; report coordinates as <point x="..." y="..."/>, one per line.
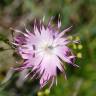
<point x="46" y="48"/>
<point x="50" y="47"/>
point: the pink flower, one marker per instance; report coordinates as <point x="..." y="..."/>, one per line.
<point x="43" y="50"/>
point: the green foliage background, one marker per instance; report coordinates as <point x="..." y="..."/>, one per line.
<point x="79" y="13"/>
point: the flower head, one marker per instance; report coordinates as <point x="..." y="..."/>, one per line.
<point x="43" y="50"/>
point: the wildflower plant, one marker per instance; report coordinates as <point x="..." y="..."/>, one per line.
<point x="44" y="49"/>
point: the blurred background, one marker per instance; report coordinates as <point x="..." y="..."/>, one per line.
<point x="81" y="14"/>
